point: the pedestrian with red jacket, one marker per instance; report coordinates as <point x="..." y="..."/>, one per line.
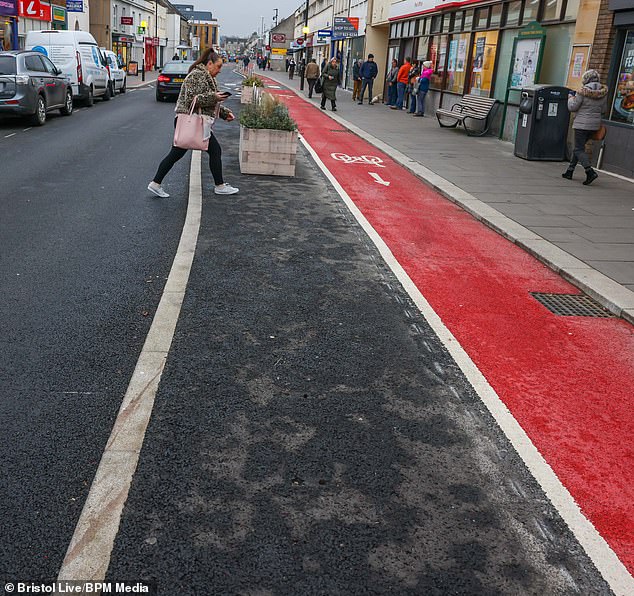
<point x="402" y="79"/>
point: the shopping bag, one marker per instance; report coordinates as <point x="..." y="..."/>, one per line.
<point x="190" y="130"/>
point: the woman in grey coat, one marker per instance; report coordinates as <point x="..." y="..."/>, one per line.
<point x="331" y="78"/>
<point x="588" y="104"/>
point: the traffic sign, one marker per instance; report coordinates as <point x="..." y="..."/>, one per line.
<point x="300" y="41"/>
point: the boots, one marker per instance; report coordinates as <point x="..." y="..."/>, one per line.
<point x="568" y="173"/>
<point x="591" y="176"/>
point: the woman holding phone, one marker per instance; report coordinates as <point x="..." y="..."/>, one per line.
<point x="200" y="83"/>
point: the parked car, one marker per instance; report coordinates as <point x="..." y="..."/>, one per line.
<point x="170" y="81"/>
<point x="31" y="85"/>
<point x="79" y="56"/>
<point x="118" y="76"/>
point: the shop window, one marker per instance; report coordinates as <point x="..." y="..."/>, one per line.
<point x="468" y="20"/>
<point x="513" y="10"/>
<point x="457" y="21"/>
<point x="572" y="9"/>
<point x="446" y="23"/>
<point x="483" y="62"/>
<point x="457" y="62"/>
<point x="481" y="19"/>
<point x="423" y="49"/>
<point x="496" y="16"/>
<point x="436" y="23"/>
<point x="552" y="10"/>
<point x="438" y="56"/>
<point x="531" y="8"/>
<point x="393" y="30"/>
<point x="623" y="103"/>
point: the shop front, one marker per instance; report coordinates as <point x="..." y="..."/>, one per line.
<point x="122" y="47"/>
<point x="8" y="25"/>
<point x="618" y="152"/>
<point x="347" y="45"/>
<point x="470" y="45"/>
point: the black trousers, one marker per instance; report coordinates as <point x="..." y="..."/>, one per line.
<point x="333" y="103"/>
<point x="579" y="154"/>
<point x="367" y="83"/>
<point x="176" y="153"/>
<point x="311" y="86"/>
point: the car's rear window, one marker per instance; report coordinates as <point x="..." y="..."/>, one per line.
<point x="177" y="67"/>
<point x="7" y="65"/>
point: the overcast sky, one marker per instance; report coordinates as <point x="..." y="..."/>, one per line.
<point x="243" y="17"/>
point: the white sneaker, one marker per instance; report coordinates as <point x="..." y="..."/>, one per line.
<point x="157" y="189"/>
<point x="225" y="189"/>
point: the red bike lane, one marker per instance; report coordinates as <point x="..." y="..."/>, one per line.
<point x="567" y="380"/>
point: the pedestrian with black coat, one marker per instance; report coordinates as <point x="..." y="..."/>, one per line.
<point x="200" y="83"/>
<point x="356" y="80"/>
<point x="331" y="79"/>
<point x="588" y="104"/>
<point x="369" y="71"/>
<point x="291" y="68"/>
<point x="391" y="83"/>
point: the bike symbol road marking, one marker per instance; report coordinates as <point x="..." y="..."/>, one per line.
<point x="378" y="179"/>
<point x="371" y="160"/>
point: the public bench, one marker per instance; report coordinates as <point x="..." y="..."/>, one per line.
<point x="470" y="107"/>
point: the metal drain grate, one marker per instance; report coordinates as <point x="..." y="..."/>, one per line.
<point x="571" y="305"/>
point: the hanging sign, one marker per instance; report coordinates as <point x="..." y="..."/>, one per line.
<point x="34" y="9"/>
<point x="8" y="7"/>
<point x="74" y="5"/>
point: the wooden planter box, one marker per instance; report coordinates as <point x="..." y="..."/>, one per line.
<point x="247" y="94"/>
<point x="268" y="152"/>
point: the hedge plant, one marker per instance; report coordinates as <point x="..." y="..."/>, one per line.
<point x="270" y="113"/>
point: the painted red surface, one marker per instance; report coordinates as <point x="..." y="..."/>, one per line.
<point x="569" y="381"/>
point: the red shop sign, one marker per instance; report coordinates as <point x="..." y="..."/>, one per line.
<point x="34" y="9"/>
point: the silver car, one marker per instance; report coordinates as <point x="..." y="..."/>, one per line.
<point x="31" y="85"/>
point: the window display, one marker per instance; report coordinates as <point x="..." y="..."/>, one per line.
<point x="457" y="63"/>
<point x="623" y="104"/>
<point x="484" y="50"/>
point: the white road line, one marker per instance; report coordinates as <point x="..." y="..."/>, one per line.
<point x="11" y="135"/>
<point x="604" y="558"/>
<point x="88" y="555"/>
<point x="25" y="129"/>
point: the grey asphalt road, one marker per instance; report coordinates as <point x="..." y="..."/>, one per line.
<point x="312" y="436"/>
<point x="84" y="253"/>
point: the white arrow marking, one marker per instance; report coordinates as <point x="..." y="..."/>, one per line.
<point x="378" y="179"/>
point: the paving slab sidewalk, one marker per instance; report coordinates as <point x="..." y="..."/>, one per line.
<point x="584" y="233"/>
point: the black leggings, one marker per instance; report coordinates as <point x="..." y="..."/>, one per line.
<point x="176" y="153"/>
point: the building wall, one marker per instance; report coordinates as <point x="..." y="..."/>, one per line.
<point x="603" y="40"/>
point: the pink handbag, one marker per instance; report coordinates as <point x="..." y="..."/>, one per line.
<point x="189" y="132"/>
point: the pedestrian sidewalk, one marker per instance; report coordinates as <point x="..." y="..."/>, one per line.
<point x="134" y="82"/>
<point x="584" y="233"/>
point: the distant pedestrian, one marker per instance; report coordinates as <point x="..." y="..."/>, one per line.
<point x="331" y="78"/>
<point x="291" y="68"/>
<point x="369" y="71"/>
<point x="356" y="80"/>
<point x="422" y="87"/>
<point x="324" y="63"/>
<point x="414" y="73"/>
<point x="588" y="104"/>
<point x="402" y="78"/>
<point x="312" y="74"/>
<point x="288" y="62"/>
<point x="246" y="61"/>
<point x="200" y="83"/>
<point x="175" y="57"/>
<point x="391" y="83"/>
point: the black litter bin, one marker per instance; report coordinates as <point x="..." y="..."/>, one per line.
<point x="542" y="127"/>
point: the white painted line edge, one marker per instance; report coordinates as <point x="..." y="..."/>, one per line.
<point x="88" y="555"/>
<point x="604" y="558"/>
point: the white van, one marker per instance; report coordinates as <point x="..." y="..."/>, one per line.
<point x="77" y="54"/>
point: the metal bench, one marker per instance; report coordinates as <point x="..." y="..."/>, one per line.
<point x="470" y="107"/>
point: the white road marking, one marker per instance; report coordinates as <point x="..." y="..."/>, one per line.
<point x="378" y="179"/>
<point x="11" y="135"/>
<point x="88" y="555"/>
<point x="604" y="558"/>
<point x="25" y="129"/>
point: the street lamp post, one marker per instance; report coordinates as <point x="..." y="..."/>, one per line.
<point x="302" y="66"/>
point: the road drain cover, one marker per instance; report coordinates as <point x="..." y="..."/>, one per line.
<point x="571" y="305"/>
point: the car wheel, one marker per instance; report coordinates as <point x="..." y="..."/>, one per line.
<point x="90" y="100"/>
<point x="122" y="90"/>
<point x="67" y="110"/>
<point x="39" y="118"/>
<point x="106" y="96"/>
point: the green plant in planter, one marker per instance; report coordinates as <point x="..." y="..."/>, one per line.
<point x="270" y="113"/>
<point x="253" y="80"/>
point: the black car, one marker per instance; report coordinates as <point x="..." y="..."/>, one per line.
<point x="171" y="79"/>
<point x="31" y="85"/>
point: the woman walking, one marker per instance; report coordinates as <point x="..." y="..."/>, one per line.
<point x="201" y="84"/>
<point x="588" y="104"/>
<point x="331" y="79"/>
